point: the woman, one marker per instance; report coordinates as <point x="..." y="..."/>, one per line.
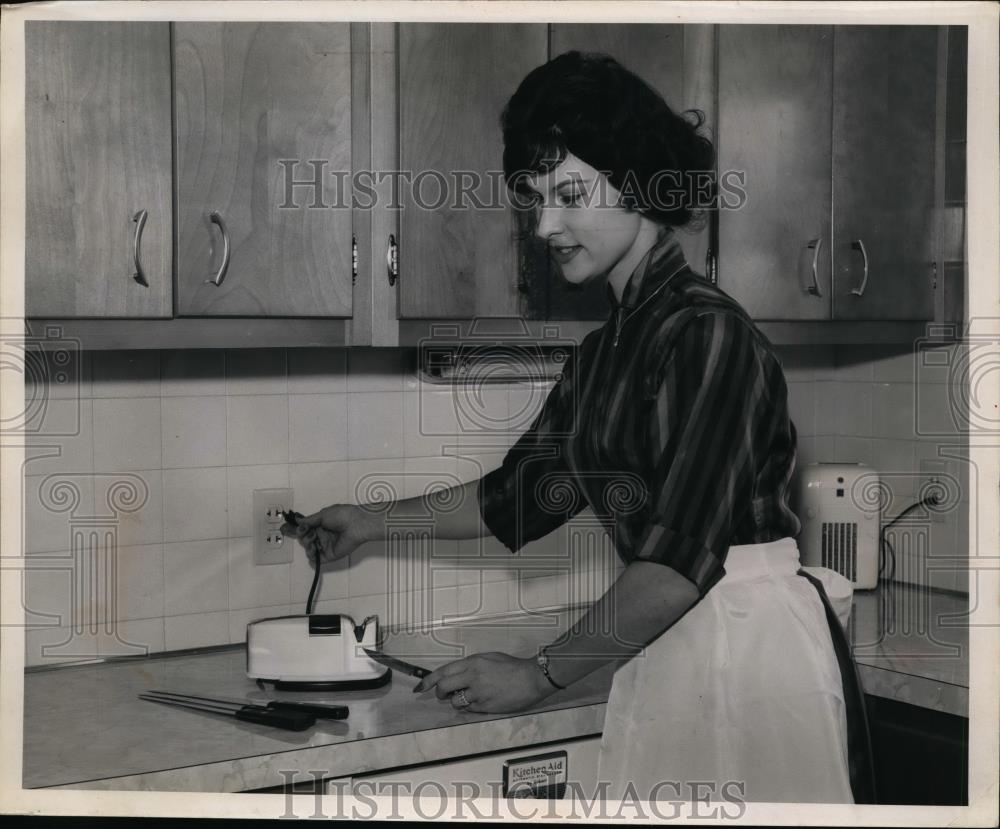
<point x="671" y="423"/>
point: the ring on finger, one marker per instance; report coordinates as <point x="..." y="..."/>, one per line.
<point x="461" y="700"/>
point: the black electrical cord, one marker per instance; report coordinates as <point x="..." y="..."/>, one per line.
<point x="293" y="518"/>
<point x="889" y="555"/>
<point x="930" y="500"/>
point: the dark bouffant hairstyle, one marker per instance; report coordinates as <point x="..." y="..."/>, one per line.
<point x="590" y="105"/>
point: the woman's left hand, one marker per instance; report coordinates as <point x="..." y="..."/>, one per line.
<point x="493" y="683"/>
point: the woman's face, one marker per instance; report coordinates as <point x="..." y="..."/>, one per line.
<point x="588" y="233"/>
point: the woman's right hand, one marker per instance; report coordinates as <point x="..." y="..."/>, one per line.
<point x="334" y="532"/>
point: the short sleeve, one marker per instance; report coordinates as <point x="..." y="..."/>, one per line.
<point x="533" y="491"/>
<point x="710" y="395"/>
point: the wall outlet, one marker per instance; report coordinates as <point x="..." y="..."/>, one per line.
<point x="269" y="545"/>
<point x="939" y="478"/>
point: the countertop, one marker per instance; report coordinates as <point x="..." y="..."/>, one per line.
<point x="911" y="644"/>
<point x="85" y="728"/>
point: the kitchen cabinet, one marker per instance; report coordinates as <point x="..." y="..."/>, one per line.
<point x="454" y="80"/>
<point x="884" y="132"/>
<point x="921" y="756"/>
<point x="838" y="219"/>
<point x="98" y="157"/>
<point x="834" y="127"/>
<point x="258" y="107"/>
<point x="774" y="131"/>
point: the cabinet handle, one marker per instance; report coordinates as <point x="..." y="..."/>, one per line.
<point x="354" y="260"/>
<point x="815" y="245"/>
<point x="140" y="223"/>
<point x="711" y="272"/>
<point x="857" y="244"/>
<point x="216" y="219"/>
<point x="392" y="260"/>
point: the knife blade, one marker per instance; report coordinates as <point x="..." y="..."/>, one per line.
<point x="318" y="710"/>
<point x="397" y="664"/>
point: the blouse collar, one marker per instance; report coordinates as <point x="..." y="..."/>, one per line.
<point x="662" y="260"/>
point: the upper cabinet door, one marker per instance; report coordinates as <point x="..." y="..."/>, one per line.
<point x="676" y="61"/>
<point x="259" y="107"/>
<point x="457" y="259"/>
<point x="775" y="84"/>
<point x="884" y="116"/>
<point x="98" y="169"/>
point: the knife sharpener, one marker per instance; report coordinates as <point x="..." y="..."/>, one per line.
<point x="318" y="652"/>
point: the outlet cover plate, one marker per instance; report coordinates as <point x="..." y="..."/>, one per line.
<point x="269" y="547"/>
<point x="933" y="470"/>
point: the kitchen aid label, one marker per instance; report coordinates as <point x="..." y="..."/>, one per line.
<point x="541" y="775"/>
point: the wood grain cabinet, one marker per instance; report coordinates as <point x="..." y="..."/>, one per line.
<point x="836" y="214"/>
<point x="457" y="261"/>
<point x="192" y="170"/>
<point x="263" y="121"/>
<point x="884" y="144"/>
<point x="98" y="199"/>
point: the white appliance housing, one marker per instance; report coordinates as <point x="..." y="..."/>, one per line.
<point x="322" y="652"/>
<point x="838" y="506"/>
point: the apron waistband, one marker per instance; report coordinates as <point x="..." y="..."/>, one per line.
<point x="751" y="561"/>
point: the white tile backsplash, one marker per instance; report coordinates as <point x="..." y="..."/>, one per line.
<point x="193" y="431"/>
<point x="60" y="437"/>
<point x="375" y="425"/>
<point x="252" y="585"/>
<point x="56" y="507"/>
<point x="132" y="502"/>
<point x="195" y="577"/>
<point x="256" y="371"/>
<point x="189" y="372"/>
<point x="318" y="485"/>
<point x="317" y="427"/>
<point x="127" y="434"/>
<point x="376" y="369"/>
<point x="139" y="593"/>
<point x="196" y="630"/>
<point x="257" y="429"/>
<point x="430" y="422"/>
<point x="317" y="370"/>
<point x="133" y="638"/>
<point x="126" y="373"/>
<point x="194" y="504"/>
<point x="893" y="410"/>
<point x="174" y="443"/>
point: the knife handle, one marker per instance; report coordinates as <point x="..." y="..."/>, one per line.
<point x="323" y="712"/>
<point x="420" y="673"/>
<point x="289" y="720"/>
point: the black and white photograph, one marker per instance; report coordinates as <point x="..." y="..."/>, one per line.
<point x="538" y="411"/>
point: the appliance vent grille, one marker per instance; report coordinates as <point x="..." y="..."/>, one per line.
<point x="840" y="548"/>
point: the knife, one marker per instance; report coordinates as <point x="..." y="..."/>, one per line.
<point x="289" y="720"/>
<point x="397" y="664"/>
<point x="318" y="710"/>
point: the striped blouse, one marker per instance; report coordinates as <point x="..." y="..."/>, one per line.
<point x="670" y="421"/>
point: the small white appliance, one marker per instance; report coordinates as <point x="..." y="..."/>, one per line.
<point x="839" y="506"/>
<point x="314" y="652"/>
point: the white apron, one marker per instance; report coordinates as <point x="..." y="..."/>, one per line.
<point x="745" y="689"/>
